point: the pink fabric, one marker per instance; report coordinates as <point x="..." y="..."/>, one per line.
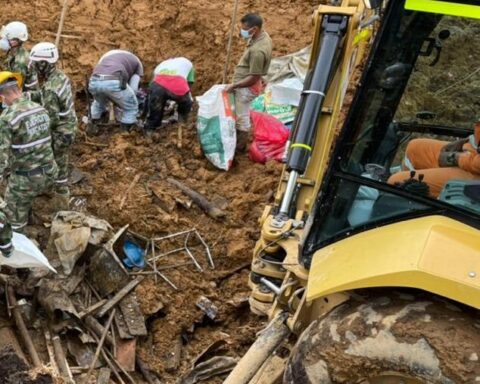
<point x="175" y="84"/>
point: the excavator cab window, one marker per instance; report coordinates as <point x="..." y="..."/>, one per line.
<point x="421" y="85"/>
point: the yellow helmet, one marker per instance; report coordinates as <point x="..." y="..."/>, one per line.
<point x="6" y="79"/>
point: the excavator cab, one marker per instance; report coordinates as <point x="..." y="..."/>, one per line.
<point x="368" y="263"/>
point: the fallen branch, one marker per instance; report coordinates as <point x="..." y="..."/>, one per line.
<point x="129" y="189"/>
<point x="90" y="142"/>
<point x="208" y="207"/>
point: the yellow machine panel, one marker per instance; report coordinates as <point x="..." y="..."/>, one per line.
<point x="434" y="253"/>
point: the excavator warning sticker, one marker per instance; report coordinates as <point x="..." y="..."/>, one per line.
<point x="462" y="8"/>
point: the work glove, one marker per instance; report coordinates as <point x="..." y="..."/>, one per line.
<point x="448" y="159"/>
<point x="454" y="146"/>
<point x="63" y="141"/>
<point x="7" y="252"/>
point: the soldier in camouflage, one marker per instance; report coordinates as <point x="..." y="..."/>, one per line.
<point x="57" y="99"/>
<point x="25" y="146"/>
<point x="13" y="35"/>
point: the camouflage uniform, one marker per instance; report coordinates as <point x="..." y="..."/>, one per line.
<point x="57" y="98"/>
<point x="25" y="144"/>
<point x="18" y="62"/>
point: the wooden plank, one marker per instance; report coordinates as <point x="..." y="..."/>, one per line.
<point x="118" y="296"/>
<point x="173" y="359"/>
<point x="93" y="308"/>
<point x="104" y="376"/>
<point x="133" y="316"/>
<point x="122" y="327"/>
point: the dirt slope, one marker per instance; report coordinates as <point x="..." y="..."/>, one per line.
<point x="156" y="30"/>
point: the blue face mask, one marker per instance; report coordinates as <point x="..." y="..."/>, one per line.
<point x="245" y="33"/>
<point x="5" y="45"/>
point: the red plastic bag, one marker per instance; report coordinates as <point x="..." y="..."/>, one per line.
<point x="269" y="138"/>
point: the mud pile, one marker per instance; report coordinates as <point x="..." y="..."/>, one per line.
<point x="156" y="30"/>
<point x="151" y="210"/>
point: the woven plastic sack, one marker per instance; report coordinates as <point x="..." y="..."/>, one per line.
<point x="216" y="126"/>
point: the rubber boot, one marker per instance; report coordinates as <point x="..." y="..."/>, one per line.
<point x="127" y="127"/>
<point x="61" y="201"/>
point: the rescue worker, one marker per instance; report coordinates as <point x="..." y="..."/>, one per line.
<point x="13" y="35"/>
<point x="173" y="80"/>
<point x="25" y="146"/>
<point x="441" y="161"/>
<point x="247" y="78"/>
<point x="57" y="99"/>
<point x="115" y="79"/>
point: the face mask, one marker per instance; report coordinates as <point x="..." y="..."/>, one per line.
<point x="40" y="66"/>
<point x="245" y="33"/>
<point x="4" y="45"/>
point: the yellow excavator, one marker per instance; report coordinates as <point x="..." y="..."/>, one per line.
<point x="364" y="280"/>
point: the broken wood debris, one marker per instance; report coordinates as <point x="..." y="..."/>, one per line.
<point x="27" y="339"/>
<point x="173" y="358"/>
<point x="81" y="343"/>
<point x="118" y="296"/>
<point x="207" y="206"/>
<point x="100" y="345"/>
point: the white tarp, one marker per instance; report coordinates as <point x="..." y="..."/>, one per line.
<point x="25" y="255"/>
<point x="287" y="92"/>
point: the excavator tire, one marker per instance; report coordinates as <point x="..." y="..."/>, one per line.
<point x="389" y="339"/>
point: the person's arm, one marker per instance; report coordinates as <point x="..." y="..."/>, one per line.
<point x="191" y="78"/>
<point x="31" y="80"/>
<point x="244" y="83"/>
<point x="6" y="246"/>
<point x="52" y="105"/>
<point x="469" y="162"/>
<point x="5" y="143"/>
<point x="257" y="62"/>
<point x="455" y="146"/>
<point x="134" y="82"/>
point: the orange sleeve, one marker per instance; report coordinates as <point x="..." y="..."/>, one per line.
<point x="470" y="162"/>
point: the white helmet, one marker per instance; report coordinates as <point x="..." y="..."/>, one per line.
<point x="15" y="30"/>
<point x="44" y="52"/>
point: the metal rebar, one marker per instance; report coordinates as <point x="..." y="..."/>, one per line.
<point x="167" y="280"/>
<point x="154" y="260"/>
<point x="173" y="235"/>
<point x="207" y="248"/>
<point x="271" y="286"/>
<point x="166" y="253"/>
<point x="199" y="267"/>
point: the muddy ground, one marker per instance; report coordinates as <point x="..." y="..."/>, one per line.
<point x="156" y="30"/>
